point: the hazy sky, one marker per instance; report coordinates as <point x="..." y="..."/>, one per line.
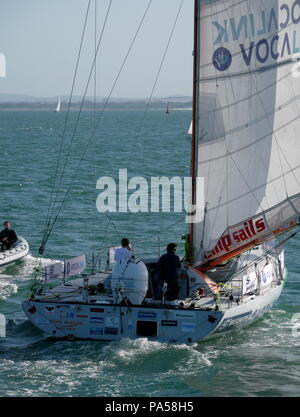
<point x="40" y="39"/>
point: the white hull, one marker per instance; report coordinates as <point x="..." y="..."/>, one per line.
<point x="171" y="325"/>
<point x="66" y="313"/>
<point x="18" y="251"/>
<point x="249" y="311"/>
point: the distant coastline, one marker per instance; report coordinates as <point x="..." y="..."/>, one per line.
<point x="15" y="103"/>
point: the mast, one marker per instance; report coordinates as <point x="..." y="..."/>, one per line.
<point x="194" y="113"/>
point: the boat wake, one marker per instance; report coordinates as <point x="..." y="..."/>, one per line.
<point x="24" y="268"/>
<point x="146" y="353"/>
<point x="6" y="287"/>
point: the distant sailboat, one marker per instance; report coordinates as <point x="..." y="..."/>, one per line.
<point x="190" y="131"/>
<point x="168" y="109"/>
<point x="57" y="110"/>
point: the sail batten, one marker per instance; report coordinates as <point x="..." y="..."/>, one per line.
<point x="244" y="73"/>
<point x="247" y="122"/>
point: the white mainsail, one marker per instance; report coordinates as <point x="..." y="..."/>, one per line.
<point x="247" y="123"/>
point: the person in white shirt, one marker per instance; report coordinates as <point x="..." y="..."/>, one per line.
<point x="125" y="252"/>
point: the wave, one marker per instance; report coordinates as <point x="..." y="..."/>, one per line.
<point x="26" y="267"/>
<point x="7" y="287"/>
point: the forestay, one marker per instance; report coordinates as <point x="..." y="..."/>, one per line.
<point x="247" y="124"/>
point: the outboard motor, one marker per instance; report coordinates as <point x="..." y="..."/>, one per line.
<point x="129" y="279"/>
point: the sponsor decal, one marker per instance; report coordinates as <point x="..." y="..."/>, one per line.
<point x="169" y="322"/>
<point x="97" y="310"/>
<point x="97" y="320"/>
<point x="111" y="330"/>
<point x="68" y="325"/>
<point x="112" y="321"/>
<point x="234" y="321"/>
<point x="75" y="265"/>
<point x="32" y="310"/>
<point x="249" y="283"/>
<point x="66" y="314"/>
<point x="65" y="306"/>
<point x="146" y="315"/>
<point x="212" y="319"/>
<point x="188" y="327"/>
<point x="275" y="29"/>
<point x="185" y="314"/>
<point x="267" y="275"/>
<point x="72" y="323"/>
<point x="222" y="59"/>
<point x="50" y="309"/>
<point x="238" y="236"/>
<point x="83" y="316"/>
<point x="97" y="331"/>
<point x="42" y="321"/>
<point x="53" y="271"/>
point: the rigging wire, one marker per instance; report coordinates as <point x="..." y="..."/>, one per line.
<point x="50" y="228"/>
<point x="38" y="262"/>
<point x="93" y="239"/>
<point x="267" y="252"/>
<point x="160" y="231"/>
<point x="151" y="96"/>
<point x="153" y="89"/>
<point x="161" y="65"/>
<point x="48" y="217"/>
<point x="83" y="100"/>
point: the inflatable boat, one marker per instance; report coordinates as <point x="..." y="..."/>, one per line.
<point x="16" y="252"/>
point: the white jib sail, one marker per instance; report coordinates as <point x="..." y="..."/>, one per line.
<point x="248" y="124"/>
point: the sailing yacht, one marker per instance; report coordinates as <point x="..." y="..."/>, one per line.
<point x="245" y="145"/>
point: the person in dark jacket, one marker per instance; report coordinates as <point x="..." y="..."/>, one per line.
<point x="7" y="237"/>
<point x="168" y="266"/>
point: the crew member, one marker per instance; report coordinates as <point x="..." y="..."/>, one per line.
<point x="7" y="237"/>
<point x="125" y="252"/>
<point x="168" y="266"/>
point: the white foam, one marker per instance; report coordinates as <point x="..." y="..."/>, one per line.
<point x="31" y="263"/>
<point x="7" y="287"/>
